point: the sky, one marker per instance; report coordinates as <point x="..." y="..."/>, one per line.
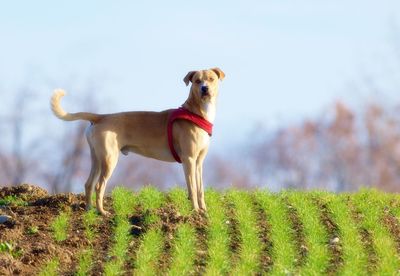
<point x="284" y="60"/>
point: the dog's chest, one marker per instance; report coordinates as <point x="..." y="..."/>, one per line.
<point x="203" y="139"/>
<point x="210" y="111"/>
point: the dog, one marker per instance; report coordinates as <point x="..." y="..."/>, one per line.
<point x="174" y="135"/>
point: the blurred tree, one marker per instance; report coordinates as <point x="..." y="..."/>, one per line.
<point x="340" y="152"/>
<point x="73" y="159"/>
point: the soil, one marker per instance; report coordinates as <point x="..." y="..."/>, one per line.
<point x="334" y="243"/>
<point x="31" y="238"/>
<point x="170" y="219"/>
<point x="298" y="234"/>
<point x="31" y="243"/>
<point x="234" y="233"/>
<point x="366" y="239"/>
<point x="265" y="237"/>
<point x="28" y="243"/>
<point x="200" y="222"/>
<point x="393" y="225"/>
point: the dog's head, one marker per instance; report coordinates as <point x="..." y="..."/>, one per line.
<point x="204" y="83"/>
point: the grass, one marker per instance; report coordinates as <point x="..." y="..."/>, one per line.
<point x="90" y="219"/>
<point x="123" y="203"/>
<point x="183" y="250"/>
<point x="354" y="257"/>
<point x="149" y="200"/>
<point x="149" y="252"/>
<point x="283" y="252"/>
<point x="180" y="199"/>
<point x="12" y="200"/>
<point x="32" y="230"/>
<point x="316" y="236"/>
<point x="217" y="236"/>
<point x="60" y="226"/>
<point x="396" y="211"/>
<point x="169" y="240"/>
<point x="151" y="245"/>
<point x="50" y="269"/>
<point x="371" y="204"/>
<point x="11" y="249"/>
<point x="395" y="208"/>
<point x="85" y="263"/>
<point x="250" y="245"/>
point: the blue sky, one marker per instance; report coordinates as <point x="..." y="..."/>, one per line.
<point x="284" y="60"/>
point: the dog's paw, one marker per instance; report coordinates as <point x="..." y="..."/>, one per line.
<point x="104" y="213"/>
<point x="202" y="212"/>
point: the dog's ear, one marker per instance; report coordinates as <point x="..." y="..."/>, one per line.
<point x="220" y="74"/>
<point x="189" y="77"/>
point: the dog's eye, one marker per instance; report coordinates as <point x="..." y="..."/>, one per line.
<point x="198" y="81"/>
<point x="211" y="79"/>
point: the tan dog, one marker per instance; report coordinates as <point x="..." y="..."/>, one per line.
<point x="145" y="133"/>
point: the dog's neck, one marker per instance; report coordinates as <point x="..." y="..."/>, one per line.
<point x="205" y="109"/>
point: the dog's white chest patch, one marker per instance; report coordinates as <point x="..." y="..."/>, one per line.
<point x="209" y="108"/>
<point x="204" y="139"/>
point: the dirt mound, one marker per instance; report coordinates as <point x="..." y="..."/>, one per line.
<point x="25" y="192"/>
<point x="59" y="200"/>
<point x="27" y="240"/>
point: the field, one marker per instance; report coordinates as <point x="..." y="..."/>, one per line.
<point x="243" y="233"/>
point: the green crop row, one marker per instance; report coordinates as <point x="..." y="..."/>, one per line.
<point x="151" y="244"/>
<point x="250" y="245"/>
<point x="298" y="237"/>
<point x="123" y="204"/>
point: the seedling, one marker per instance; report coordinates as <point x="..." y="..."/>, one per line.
<point x="250" y="247"/>
<point x="315" y="233"/>
<point x="6" y="247"/>
<point x="12" y="200"/>
<point x="60" y="226"/>
<point x="32" y="230"/>
<point x="218" y="235"/>
<point x="85" y="262"/>
<point x="50" y="268"/>
<point x="123" y="203"/>
<point x="282" y="234"/>
<point x="90" y="219"/>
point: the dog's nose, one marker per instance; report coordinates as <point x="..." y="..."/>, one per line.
<point x="204" y="91"/>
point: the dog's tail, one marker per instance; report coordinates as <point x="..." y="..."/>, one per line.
<point x="60" y="113"/>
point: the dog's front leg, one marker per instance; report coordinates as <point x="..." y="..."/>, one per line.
<point x="199" y="178"/>
<point x="189" y="168"/>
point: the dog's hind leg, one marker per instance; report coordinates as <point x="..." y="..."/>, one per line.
<point x="108" y="159"/>
<point x="92" y="179"/>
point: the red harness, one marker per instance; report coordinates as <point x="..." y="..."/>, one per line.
<point x="184" y="114"/>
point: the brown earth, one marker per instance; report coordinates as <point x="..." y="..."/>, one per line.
<point x="265" y="237"/>
<point x="234" y="233"/>
<point x="366" y="238"/>
<point x="393" y="225"/>
<point x="31" y="238"/>
<point x="27" y="241"/>
<point x="298" y="234"/>
<point x="334" y="243"/>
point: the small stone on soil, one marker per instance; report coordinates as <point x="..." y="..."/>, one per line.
<point x="4" y="219"/>
<point x="335" y="240"/>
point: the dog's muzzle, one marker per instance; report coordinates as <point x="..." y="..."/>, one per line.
<point x="204" y="91"/>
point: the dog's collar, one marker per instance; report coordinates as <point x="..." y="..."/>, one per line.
<point x="184" y="114"/>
